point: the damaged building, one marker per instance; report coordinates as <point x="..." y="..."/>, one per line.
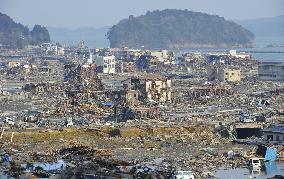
<point x="223" y="74"/>
<point x="274" y="134"/>
<point x="271" y="71"/>
<point x="154" y="88"/>
<point x="105" y="64"/>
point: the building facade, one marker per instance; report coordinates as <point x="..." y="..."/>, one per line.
<point x="153" y="88"/>
<point x="227" y="74"/>
<point x="158" y="90"/>
<point x="274" y="134"/>
<point x="223" y="74"/>
<point x="105" y="64"/>
<point x="271" y="71"/>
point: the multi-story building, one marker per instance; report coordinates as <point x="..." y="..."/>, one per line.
<point x="158" y="89"/>
<point x="223" y="74"/>
<point x="227" y="74"/>
<point x="273" y="71"/>
<point x="152" y="87"/>
<point x="105" y="64"/>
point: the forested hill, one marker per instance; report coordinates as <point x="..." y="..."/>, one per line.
<point x="16" y="35"/>
<point x="178" y="29"/>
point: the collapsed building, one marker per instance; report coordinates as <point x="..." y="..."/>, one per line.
<point x="154" y="88"/>
<point x="207" y="91"/>
<point x="129" y="67"/>
<point x="149" y="63"/>
<point x="139" y="93"/>
<point x="248" y="130"/>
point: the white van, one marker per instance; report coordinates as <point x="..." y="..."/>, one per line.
<point x="256" y="163"/>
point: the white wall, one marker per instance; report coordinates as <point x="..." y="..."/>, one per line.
<point x="107" y="62"/>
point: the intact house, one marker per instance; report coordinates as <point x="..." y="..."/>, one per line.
<point x="274" y="134"/>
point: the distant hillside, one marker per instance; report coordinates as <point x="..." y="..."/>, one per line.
<point x="93" y="37"/>
<point x="271" y="26"/>
<point x="16" y="35"/>
<point x="178" y="29"/>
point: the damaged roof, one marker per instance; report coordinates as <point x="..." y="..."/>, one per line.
<point x="279" y="128"/>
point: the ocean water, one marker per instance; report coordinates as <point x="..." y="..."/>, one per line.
<point x="258" y="53"/>
<point x="266" y="40"/>
<point x="269" y="53"/>
<point x="269" y="56"/>
<point x="260" y="43"/>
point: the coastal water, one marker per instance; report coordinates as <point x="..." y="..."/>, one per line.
<point x="266" y="49"/>
<point x="258" y="53"/>
<point x="271" y="169"/>
<point x="268" y="40"/>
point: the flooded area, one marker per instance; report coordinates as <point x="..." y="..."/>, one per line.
<point x="271" y="169"/>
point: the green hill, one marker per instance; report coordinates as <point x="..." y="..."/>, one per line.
<point x="16" y="35"/>
<point x="178" y="29"/>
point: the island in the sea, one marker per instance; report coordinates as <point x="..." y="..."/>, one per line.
<point x="172" y="28"/>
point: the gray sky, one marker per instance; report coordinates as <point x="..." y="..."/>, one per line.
<point x="95" y="13"/>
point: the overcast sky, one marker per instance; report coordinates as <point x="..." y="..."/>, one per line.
<point x="95" y="13"/>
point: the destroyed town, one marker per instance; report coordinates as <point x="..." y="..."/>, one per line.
<point x="181" y="108"/>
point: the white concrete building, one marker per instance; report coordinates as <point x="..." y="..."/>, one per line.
<point x="105" y="64"/>
<point x="239" y="55"/>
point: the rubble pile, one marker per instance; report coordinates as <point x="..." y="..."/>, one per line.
<point x="78" y="112"/>
<point x="180" y="145"/>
